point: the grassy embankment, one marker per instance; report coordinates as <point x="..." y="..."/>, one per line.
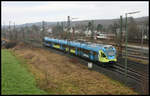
<point x="15" y="78"/>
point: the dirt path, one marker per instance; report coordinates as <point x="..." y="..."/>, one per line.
<point x="59" y="75"/>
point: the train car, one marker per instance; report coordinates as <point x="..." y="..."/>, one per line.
<point x="103" y="54"/>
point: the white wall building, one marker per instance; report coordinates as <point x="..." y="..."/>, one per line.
<point x="88" y="32"/>
<point x="49" y="30"/>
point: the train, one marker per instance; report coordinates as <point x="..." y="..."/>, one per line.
<point x="99" y="53"/>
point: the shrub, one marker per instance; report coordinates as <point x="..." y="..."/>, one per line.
<point x="10" y="45"/>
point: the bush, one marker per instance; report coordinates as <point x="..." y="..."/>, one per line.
<point x="10" y="45"/>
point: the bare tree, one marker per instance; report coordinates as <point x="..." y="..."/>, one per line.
<point x="15" y="32"/>
<point x="9" y="34"/>
<point x="133" y="32"/>
<point x="43" y="30"/>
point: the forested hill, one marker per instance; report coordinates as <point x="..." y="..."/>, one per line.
<point x="104" y="22"/>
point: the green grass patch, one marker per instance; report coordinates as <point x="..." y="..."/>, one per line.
<point x="15" y="78"/>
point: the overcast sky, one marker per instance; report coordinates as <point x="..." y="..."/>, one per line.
<point x="30" y="12"/>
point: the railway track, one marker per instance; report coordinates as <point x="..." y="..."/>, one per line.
<point x="131" y="73"/>
<point x="138" y="52"/>
<point x="142" y="79"/>
<point x="137" y="66"/>
<point x="137" y="56"/>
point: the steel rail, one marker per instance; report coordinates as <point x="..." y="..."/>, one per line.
<point x="131" y="73"/>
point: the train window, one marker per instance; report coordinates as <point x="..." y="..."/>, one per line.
<point x="105" y="47"/>
<point x="111" y="53"/>
<point x="103" y="55"/>
<point x="66" y="46"/>
<point x="86" y="51"/>
<point x="48" y="42"/>
<point x="63" y="45"/>
<point x="110" y="47"/>
<point x="94" y="53"/>
<point x="79" y="49"/>
<point x="73" y="48"/>
<point x="56" y="43"/>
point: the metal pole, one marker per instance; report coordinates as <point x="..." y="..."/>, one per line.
<point x="142" y="38"/>
<point x="4" y="30"/>
<point x="73" y="35"/>
<point x="68" y="32"/>
<point x="23" y="37"/>
<point x="120" y="39"/>
<point x="92" y="30"/>
<point x="14" y="32"/>
<point x="126" y="43"/>
<point x="26" y="36"/>
<point x="43" y="29"/>
<point x="62" y="29"/>
<point x="9" y="31"/>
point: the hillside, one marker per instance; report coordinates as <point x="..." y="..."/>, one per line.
<point x="104" y="22"/>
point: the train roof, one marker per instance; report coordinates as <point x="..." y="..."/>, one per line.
<point x="88" y="46"/>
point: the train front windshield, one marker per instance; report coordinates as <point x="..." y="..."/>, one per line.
<point x="110" y="51"/>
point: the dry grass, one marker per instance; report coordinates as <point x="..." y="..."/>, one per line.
<point x="59" y="75"/>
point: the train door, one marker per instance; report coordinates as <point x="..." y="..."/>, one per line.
<point x="95" y="56"/>
<point x="91" y="55"/>
<point x="72" y="50"/>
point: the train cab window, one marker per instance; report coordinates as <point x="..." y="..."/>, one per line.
<point x="105" y="47"/>
<point x="103" y="55"/>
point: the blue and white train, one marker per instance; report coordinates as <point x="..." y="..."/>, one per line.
<point x="104" y="54"/>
